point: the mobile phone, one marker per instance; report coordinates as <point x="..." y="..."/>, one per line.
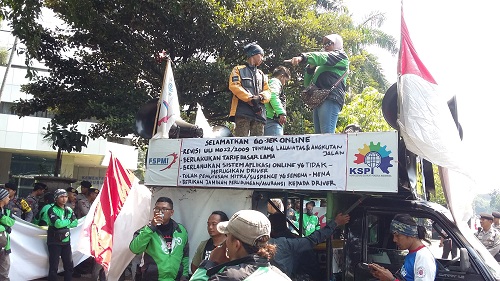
<point x="364" y="266"/>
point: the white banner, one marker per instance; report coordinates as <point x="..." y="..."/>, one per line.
<point x="371" y="164"/>
<point x="295" y="162"/>
<point x="298" y="162"/>
<point x="162" y="165"/>
<point x="30" y="257"/>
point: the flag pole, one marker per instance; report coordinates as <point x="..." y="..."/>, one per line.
<point x="159" y="99"/>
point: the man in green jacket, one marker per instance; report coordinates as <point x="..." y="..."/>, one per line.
<point x="164" y="243"/>
<point x="276" y="107"/>
<point x="61" y="219"/>
<point x="6" y="222"/>
<point x="310" y="221"/>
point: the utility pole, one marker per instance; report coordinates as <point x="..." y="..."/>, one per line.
<point x="9" y="64"/>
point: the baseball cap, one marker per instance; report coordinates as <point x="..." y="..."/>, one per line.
<point x="11" y="186"/>
<point x="39" y="185"/>
<point x="72" y="190"/>
<point x="60" y="192"/>
<point x="486" y="216"/>
<point x="86" y="184"/>
<point x="247" y="226"/>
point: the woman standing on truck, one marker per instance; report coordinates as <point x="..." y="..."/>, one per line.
<point x="419" y="263"/>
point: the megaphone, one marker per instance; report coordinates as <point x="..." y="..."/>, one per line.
<point x="145" y="123"/>
<point x="390" y="108"/>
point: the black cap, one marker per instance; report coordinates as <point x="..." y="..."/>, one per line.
<point x="11" y="186"/>
<point x="496" y="214"/>
<point x="253" y="49"/>
<point x="86" y="184"/>
<point x="486" y="216"/>
<point x="39" y="185"/>
<point x="72" y="190"/>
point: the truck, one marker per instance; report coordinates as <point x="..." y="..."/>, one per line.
<point x="372" y="176"/>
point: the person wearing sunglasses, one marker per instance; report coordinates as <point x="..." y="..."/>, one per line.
<point x="325" y="69"/>
<point x="164" y="243"/>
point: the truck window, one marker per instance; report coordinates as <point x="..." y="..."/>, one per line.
<point x="381" y="249"/>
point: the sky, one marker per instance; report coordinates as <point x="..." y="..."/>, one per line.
<point x="456" y="41"/>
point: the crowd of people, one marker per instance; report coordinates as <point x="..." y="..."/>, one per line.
<point x="246" y="245"/>
<point x="58" y="211"/>
<point x="249" y="244"/>
<point x="258" y="106"/>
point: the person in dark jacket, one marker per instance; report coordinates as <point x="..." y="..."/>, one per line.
<point x="17" y="205"/>
<point x="247" y="248"/>
<point x="250" y="92"/>
<point x="6" y="223"/>
<point x="60" y="219"/>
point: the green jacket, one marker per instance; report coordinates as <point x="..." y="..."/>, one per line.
<point x="160" y="263"/>
<point x="42" y="218"/>
<point x="275" y="106"/>
<point x="335" y="62"/>
<point x="60" y="221"/>
<point x="6" y="222"/>
<point x="310" y="223"/>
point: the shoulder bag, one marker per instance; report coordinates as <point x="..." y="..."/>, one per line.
<point x="312" y="96"/>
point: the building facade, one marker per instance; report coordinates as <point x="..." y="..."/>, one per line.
<point x="24" y="153"/>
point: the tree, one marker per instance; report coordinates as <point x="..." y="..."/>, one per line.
<point x="364" y="109"/>
<point x="104" y="65"/>
<point x="438" y="195"/>
<point x="64" y="139"/>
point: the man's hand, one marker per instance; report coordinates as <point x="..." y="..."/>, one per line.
<point x="218" y="254"/>
<point x="342" y="219"/>
<point x="296" y="60"/>
<point x="282" y="119"/>
<point x="380" y="272"/>
<point x="157" y="219"/>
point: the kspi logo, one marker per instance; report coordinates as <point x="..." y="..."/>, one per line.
<point x="168" y="161"/>
<point x="373" y="156"/>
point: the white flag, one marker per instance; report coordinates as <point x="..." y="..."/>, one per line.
<point x="202" y="122"/>
<point x="168" y="103"/>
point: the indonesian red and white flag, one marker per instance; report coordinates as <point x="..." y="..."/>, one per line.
<point x="168" y="103"/>
<point x="122" y="207"/>
<point x="427" y="126"/>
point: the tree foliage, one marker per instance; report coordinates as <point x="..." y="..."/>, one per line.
<point x="103" y="57"/>
<point x="364" y="109"/>
<point x="64" y="139"/>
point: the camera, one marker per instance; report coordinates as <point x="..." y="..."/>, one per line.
<point x="256" y="107"/>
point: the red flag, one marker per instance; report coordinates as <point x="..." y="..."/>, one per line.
<point x="409" y="62"/>
<point x="117" y="184"/>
